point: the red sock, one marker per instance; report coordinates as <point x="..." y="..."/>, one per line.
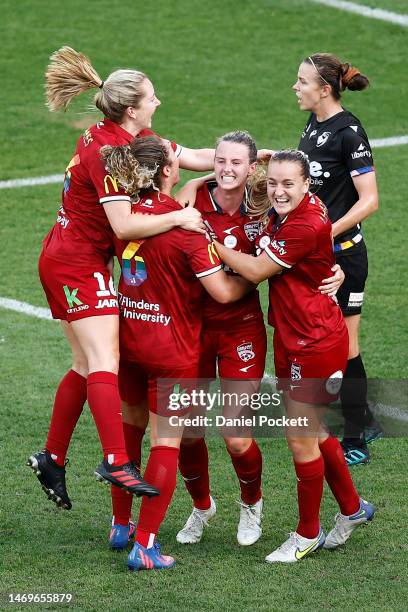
<point x="105" y="404"/>
<point x="161" y="471"/>
<point x="122" y="501"/>
<point x="68" y="404"/>
<point x="248" y="467"/>
<point x="338" y="476"/>
<point x="193" y="466"/>
<point x="310" y="477"/>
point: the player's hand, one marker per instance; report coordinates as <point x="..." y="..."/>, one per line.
<point x="264" y="155"/>
<point x="189" y="218"/>
<point x="332" y="284"/>
<point x="186" y="196"/>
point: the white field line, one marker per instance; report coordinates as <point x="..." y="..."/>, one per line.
<point x="35" y="180"/>
<point x="28" y="309"/>
<point x="393" y="141"/>
<point x="366" y="11"/>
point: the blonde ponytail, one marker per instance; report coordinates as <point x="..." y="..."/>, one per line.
<point x="68" y="74"/>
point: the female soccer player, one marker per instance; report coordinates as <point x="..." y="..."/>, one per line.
<point x="234" y="338"/>
<point x="310" y="348"/>
<point x="161" y="297"/>
<point x="343" y="176"/>
<point x="74" y="263"/>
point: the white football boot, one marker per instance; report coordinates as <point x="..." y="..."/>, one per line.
<point x="249" y="527"/>
<point x="192" y="531"/>
<point x="296" y="548"/>
<point x="345" y="525"/>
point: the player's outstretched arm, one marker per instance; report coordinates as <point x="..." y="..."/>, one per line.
<point x="254" y="269"/>
<point x="224" y="288"/>
<point x="128" y="226"/>
<point x="188" y="193"/>
<point x="199" y="160"/>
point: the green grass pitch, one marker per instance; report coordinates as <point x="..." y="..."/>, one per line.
<point x="216" y="67"/>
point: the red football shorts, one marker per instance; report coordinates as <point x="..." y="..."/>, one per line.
<point x="241" y="353"/>
<point x="76" y="293"/>
<point x="162" y="387"/>
<point x="313" y="377"/>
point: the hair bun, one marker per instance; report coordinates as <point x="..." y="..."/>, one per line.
<point x="352" y="78"/>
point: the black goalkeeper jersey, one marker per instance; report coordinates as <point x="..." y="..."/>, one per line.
<point x="338" y="149"/>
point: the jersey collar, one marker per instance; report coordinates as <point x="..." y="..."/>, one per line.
<point x="211" y="205"/>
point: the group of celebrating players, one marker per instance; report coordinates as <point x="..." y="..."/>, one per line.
<point x="187" y="302"/>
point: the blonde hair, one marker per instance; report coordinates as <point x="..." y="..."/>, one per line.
<point x="258" y="204"/>
<point x="137" y="167"/>
<point x="70" y="73"/>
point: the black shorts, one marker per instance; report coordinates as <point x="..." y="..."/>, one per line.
<point x="354" y="264"/>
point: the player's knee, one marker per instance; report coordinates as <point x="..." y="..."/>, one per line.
<point x="237" y="446"/>
<point x="80" y="366"/>
<point x="302" y="448"/>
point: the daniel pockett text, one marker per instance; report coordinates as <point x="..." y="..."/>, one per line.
<point x="249" y="403"/>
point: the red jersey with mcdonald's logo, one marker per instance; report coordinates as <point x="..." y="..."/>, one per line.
<point x="82" y="234"/>
<point x="239" y="232"/>
<point x="302" y="244"/>
<point x="160" y="294"/>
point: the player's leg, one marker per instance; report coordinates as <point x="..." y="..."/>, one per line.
<point x="166" y="430"/>
<point x="355" y="408"/>
<point x="135" y="416"/>
<point x="241" y="363"/>
<point x="193" y="457"/>
<point x="309" y="468"/>
<point x="98" y="338"/>
<point x="49" y="464"/>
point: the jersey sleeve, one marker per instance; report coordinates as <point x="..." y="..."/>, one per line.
<point x="202" y="255"/>
<point x="356" y="151"/>
<point x="107" y="187"/>
<point x="292" y="244"/>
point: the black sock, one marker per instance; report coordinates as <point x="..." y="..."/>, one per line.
<point x="354" y="405"/>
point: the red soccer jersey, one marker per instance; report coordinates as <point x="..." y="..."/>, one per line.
<point x="302" y="244"/>
<point x="160" y="295"/>
<point x="239" y="232"/>
<point x="82" y="234"/>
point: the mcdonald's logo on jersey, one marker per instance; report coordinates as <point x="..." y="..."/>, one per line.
<point x="113" y="184"/>
<point x="212" y="254"/>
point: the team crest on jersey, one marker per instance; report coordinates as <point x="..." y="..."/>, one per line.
<point x="323" y="138"/>
<point x="251" y="230"/>
<point x="296" y="371"/>
<point x="245" y="351"/>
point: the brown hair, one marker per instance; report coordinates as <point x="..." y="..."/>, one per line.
<point x="69" y="73"/>
<point x="137" y="166"/>
<point x="259" y="204"/>
<point x="338" y="75"/>
<point x="241" y="137"/>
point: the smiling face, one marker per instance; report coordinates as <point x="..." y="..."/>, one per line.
<point x="147" y="105"/>
<point x="232" y="166"/>
<point x="308" y="88"/>
<point x="286" y="186"/>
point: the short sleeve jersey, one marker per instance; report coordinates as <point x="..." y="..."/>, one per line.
<point x="302" y="244"/>
<point x="338" y="150"/>
<point x="239" y="232"/>
<point x="82" y="234"/>
<point x="160" y="295"/>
